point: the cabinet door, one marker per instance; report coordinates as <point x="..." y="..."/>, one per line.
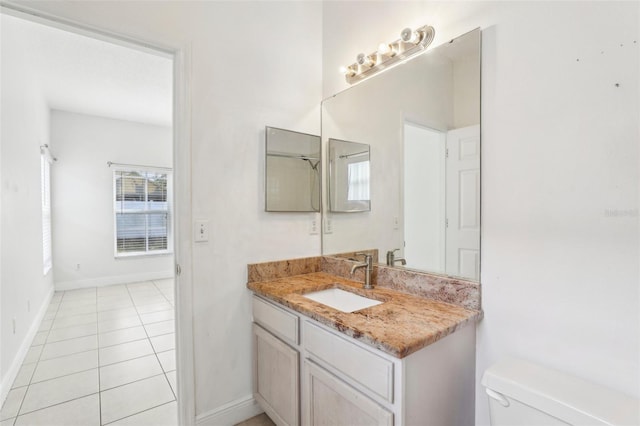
<point x="330" y="401"/>
<point x="276" y="377"/>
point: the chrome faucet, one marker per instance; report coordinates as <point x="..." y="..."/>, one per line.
<point x="392" y="259"/>
<point x="368" y="263"/>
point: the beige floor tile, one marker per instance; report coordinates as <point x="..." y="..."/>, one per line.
<point x="33" y="354"/>
<point x="163" y="343"/>
<point x="159" y="328"/>
<point x="45" y="325"/>
<point x="125" y="335"/>
<point x="134" y="398"/>
<point x="171" y="376"/>
<point x="125" y="351"/>
<point x="167" y="360"/>
<point x="121" y="304"/>
<point x="77" y="310"/>
<point x="164" y="415"/>
<point x="83" y="411"/>
<point x="69" y="346"/>
<point x="8" y="422"/>
<point x="157" y="316"/>
<point x="259" y="420"/>
<point x="72" y="332"/>
<point x="12" y="403"/>
<point x="24" y="375"/>
<point x="118" y="324"/>
<point x="129" y="371"/>
<point x="40" y="338"/>
<point x="74" y="320"/>
<point x="117" y="313"/>
<point x="65" y="365"/>
<point x="62" y="389"/>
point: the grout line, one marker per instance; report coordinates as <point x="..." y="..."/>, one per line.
<point x="140" y="412"/>
<point x="133" y="381"/>
<point x="38" y="360"/>
<point x="98" y="343"/>
<point x="156" y="353"/>
<point x="58" y="403"/>
<point x="64" y="375"/>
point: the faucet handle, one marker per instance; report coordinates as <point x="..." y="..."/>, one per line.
<point x="393" y="251"/>
<point x="367" y="257"/>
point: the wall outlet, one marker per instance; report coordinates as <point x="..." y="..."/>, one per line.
<point x="77" y="266"/>
<point x="328" y="225"/>
<point x="13" y="322"/>
<point x="396" y="222"/>
<point x="313" y="227"/>
<point x="28" y="305"/>
<point x="201" y="231"/>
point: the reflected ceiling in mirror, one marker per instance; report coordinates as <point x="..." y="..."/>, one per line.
<point x="421" y="120"/>
<point x="292" y="181"/>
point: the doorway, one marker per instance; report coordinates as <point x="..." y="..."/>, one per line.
<point x="123" y="307"/>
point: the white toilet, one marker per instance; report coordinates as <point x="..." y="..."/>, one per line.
<point x="522" y="393"/>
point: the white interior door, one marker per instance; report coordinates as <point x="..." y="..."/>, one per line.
<point x="424" y="198"/>
<point x="463" y="202"/>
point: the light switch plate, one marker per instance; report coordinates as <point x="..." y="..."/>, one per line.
<point x="201" y="231"/>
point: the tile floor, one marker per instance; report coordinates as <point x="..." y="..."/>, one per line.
<point x="102" y="356"/>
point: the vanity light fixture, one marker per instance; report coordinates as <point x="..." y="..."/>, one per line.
<point x="410" y="43"/>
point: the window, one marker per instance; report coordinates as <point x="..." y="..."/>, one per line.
<point x="358" y="181"/>
<point x="142" y="213"/>
<point x="45" y="190"/>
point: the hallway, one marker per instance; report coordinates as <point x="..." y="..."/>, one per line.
<point x="102" y="355"/>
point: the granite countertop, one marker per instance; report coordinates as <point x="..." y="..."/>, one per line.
<point x="401" y="325"/>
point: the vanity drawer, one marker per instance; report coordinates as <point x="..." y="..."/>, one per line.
<point x="276" y="320"/>
<point x="364" y="367"/>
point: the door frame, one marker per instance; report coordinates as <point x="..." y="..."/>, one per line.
<point x="181" y="56"/>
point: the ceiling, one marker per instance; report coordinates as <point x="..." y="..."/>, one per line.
<point x="85" y="75"/>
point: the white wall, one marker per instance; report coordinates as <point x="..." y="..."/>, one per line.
<point x="24" y="127"/>
<point x="560" y="148"/>
<point x="252" y="64"/>
<point x="82" y="197"/>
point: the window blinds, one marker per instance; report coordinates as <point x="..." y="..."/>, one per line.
<point x="141" y="211"/>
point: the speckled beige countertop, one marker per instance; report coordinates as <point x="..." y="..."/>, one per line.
<point x="401" y="325"/>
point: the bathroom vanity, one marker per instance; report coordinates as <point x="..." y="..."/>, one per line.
<point x="408" y="360"/>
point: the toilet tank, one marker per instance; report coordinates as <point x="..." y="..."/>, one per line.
<point x="523" y="393"/>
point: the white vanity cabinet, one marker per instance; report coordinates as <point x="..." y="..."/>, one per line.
<point x="341" y="381"/>
<point x="276" y="384"/>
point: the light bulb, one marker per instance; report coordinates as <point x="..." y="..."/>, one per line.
<point x="384" y="49"/>
<point x="347" y="71"/>
<point x="409" y="36"/>
<point x="364" y="60"/>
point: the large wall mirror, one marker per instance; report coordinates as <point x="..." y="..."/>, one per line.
<point x="421" y="121"/>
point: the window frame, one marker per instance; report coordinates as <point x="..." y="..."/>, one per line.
<point x="142" y="169"/>
<point x="45" y="208"/>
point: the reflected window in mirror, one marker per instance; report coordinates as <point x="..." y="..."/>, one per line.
<point x="292" y="181"/>
<point x="349" y="176"/>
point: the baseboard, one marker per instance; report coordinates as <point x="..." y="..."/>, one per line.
<point x="230" y="414"/>
<point x="113" y="280"/>
<point x="12" y="372"/>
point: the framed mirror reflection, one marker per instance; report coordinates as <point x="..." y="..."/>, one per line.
<point x="421" y="122"/>
<point x="292" y="168"/>
<point x="349" y="176"/>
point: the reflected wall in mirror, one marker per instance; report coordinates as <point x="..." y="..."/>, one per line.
<point x="349" y="168"/>
<point x="422" y="122"/>
<point x="292" y="171"/>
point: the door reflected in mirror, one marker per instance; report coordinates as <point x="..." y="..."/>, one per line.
<point x="421" y="121"/>
<point x="292" y="171"/>
<point x="349" y="176"/>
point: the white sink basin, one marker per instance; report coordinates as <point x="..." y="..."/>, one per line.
<point x="341" y="300"/>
